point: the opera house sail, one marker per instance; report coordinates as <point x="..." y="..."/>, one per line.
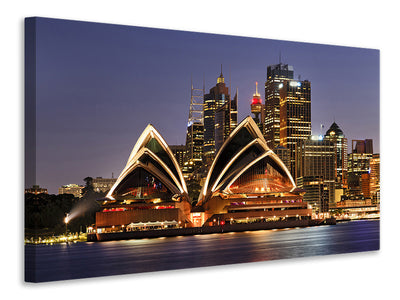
<point x="150" y="192"/>
<point x="247" y="182"/>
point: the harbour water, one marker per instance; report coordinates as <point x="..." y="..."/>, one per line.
<point x="92" y="259"/>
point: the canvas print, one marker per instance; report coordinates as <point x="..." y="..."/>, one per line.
<point x="150" y="149"/>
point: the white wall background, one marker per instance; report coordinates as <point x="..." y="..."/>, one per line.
<point x="368" y="24"/>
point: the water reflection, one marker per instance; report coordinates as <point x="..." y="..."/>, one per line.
<point x="81" y="260"/>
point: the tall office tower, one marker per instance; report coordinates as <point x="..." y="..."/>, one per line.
<point x="358" y="164"/>
<point x="284" y="154"/>
<point x="295" y="115"/>
<point x="225" y="121"/>
<point x="276" y="75"/>
<point x="375" y="187"/>
<point x="362" y="146"/>
<point x="257" y="109"/>
<point x="336" y="135"/>
<point x="179" y="151"/>
<point x="194" y="134"/>
<point x="215" y="99"/>
<point x="366" y="185"/>
<point x="316" y="172"/>
<point x="194" y="149"/>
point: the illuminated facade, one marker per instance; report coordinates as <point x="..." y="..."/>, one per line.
<point x="366" y="185"/>
<point x="315" y="168"/>
<point x="103" y="185"/>
<point x="336" y="136"/>
<point x="194" y="148"/>
<point x="316" y="192"/>
<point x="149" y="190"/>
<point x="215" y="99"/>
<point x="375" y="186"/>
<point x="284" y="155"/>
<point x="247" y="182"/>
<point x="35" y="189"/>
<point x="295" y="116"/>
<point x="179" y="151"/>
<point x="73" y="189"/>
<point x="276" y="75"/>
<point x="225" y="121"/>
<point x="358" y="164"/>
<point x="194" y="134"/>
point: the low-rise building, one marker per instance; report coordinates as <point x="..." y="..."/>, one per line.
<point x="103" y="185"/>
<point x="36" y="189"/>
<point x="73" y="189"/>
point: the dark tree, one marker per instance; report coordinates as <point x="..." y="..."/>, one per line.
<point x="88" y="185"/>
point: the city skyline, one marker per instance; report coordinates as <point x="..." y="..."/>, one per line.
<point x="92" y="81"/>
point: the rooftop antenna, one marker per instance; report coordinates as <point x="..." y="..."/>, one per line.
<point x="204" y="83"/>
<point x="229" y="91"/>
<point x="280" y="59"/>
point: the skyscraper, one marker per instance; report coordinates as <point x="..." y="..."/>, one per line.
<point x="257" y="108"/>
<point x="194" y="149"/>
<point x="375" y="187"/>
<point x="284" y="154"/>
<point x="194" y="133"/>
<point x="358" y="164"/>
<point x="215" y="99"/>
<point x="179" y="152"/>
<point x="295" y="116"/>
<point x="276" y="75"/>
<point x="336" y="135"/>
<point x="316" y="172"/>
<point x="225" y="121"/>
<point x="362" y="146"/>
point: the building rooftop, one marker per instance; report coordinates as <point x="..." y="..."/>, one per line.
<point x="334" y="130"/>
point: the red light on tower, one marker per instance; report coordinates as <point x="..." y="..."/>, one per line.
<point x="257" y="109"/>
<point x="256" y="103"/>
<point x="256" y="96"/>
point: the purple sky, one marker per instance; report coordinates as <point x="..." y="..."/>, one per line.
<point x="99" y="85"/>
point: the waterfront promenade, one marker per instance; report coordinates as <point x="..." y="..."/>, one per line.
<point x="207" y="229"/>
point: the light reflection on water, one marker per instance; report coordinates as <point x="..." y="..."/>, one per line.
<point x="82" y="260"/>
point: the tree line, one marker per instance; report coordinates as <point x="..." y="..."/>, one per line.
<point x="45" y="213"/>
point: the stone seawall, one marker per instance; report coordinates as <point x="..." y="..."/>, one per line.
<point x="206" y="230"/>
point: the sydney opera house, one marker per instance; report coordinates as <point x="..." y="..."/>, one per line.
<point x="247" y="182"/>
<point x="149" y="193"/>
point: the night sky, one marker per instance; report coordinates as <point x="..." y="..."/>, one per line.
<point x="99" y="85"/>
